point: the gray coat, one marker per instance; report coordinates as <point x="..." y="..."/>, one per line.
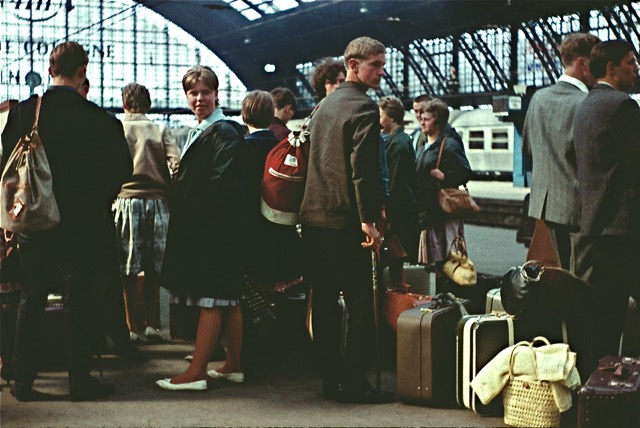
<point x="343" y="180"/>
<point x="548" y="137"/>
<point x="607" y="136"/>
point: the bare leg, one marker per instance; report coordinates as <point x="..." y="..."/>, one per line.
<point x="206" y="340"/>
<point x="151" y="300"/>
<point x="130" y="287"/>
<point x="233" y="335"/>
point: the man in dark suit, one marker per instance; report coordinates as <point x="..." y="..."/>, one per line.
<point x="548" y="137"/>
<point x="607" y="142"/>
<point x="341" y="206"/>
<point x="89" y="160"/>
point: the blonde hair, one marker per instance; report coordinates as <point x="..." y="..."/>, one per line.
<point x="362" y="48"/>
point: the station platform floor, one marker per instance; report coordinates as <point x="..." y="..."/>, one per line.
<point x="288" y="395"/>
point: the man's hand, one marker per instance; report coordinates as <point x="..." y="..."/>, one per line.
<point x="372" y="236"/>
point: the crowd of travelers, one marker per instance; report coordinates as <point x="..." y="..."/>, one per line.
<point x="132" y="202"/>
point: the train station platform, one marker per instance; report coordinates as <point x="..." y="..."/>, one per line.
<point x="289" y="395"/>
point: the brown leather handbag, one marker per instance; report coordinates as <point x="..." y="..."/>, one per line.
<point x="455" y="201"/>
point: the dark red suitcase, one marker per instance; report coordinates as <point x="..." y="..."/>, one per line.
<point x="611" y="396"/>
<point x="426" y="352"/>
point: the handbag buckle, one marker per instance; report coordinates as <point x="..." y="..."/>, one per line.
<point x="525" y="275"/>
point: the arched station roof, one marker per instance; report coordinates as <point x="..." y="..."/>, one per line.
<point x="315" y="29"/>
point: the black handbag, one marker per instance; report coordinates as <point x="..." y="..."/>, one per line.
<point x="255" y="304"/>
<point x="553" y="293"/>
<point x="519" y="288"/>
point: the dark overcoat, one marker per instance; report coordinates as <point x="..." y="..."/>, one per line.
<point x="206" y="240"/>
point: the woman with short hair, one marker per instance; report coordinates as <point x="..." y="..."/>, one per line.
<point x="205" y="254"/>
<point x="438" y="228"/>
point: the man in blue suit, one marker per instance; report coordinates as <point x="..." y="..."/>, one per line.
<point x="607" y="135"/>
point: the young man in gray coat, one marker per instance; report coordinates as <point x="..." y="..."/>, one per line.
<point x="341" y="206"/>
<point x="548" y="137"/>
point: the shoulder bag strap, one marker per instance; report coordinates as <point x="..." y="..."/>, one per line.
<point x="440" y="153"/>
<point x="37" y="115"/>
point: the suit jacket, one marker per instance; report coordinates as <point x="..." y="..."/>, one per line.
<point x="548" y="137"/>
<point x="607" y="141"/>
<point x="343" y="178"/>
<point x="89" y="159"/>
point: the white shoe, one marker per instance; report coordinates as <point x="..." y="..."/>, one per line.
<point x="198" y="385"/>
<point x="231" y="377"/>
<point x="153" y="334"/>
<point x="133" y="337"/>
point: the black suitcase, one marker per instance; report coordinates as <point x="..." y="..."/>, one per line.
<point x="611" y="396"/>
<point x="426" y="352"/>
<point x="479" y="339"/>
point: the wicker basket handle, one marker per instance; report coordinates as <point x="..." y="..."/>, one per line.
<point x="530" y="345"/>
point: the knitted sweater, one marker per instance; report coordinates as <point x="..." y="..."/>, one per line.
<point x="555" y="363"/>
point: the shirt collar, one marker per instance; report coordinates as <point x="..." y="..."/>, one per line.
<point x="575" y="82"/>
<point x="216" y="116"/>
<point x="602" y="82"/>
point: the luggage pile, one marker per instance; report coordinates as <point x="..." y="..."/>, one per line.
<point x="533" y="326"/>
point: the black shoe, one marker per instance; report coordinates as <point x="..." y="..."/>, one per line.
<point x="330" y="389"/>
<point x="92" y="390"/>
<point x="363" y="395"/>
<point x="130" y="353"/>
<point x="29" y="394"/>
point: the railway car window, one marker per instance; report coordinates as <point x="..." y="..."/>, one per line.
<point x="476" y="140"/>
<point x="499" y="140"/>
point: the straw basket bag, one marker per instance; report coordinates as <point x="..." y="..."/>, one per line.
<point x="529" y="403"/>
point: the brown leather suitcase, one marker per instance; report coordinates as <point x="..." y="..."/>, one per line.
<point x="426" y="352"/>
<point x="611" y="396"/>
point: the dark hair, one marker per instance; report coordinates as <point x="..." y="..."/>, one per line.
<point x="258" y="109"/>
<point x="440" y="111"/>
<point x="200" y="73"/>
<point x="576" y="45"/>
<point x="605" y="52"/>
<point x="393" y="107"/>
<point x="137" y="98"/>
<point x="67" y="58"/>
<point x="326" y="71"/>
<point x="422" y="98"/>
<point x="283" y="97"/>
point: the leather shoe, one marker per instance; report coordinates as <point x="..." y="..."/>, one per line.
<point x="29" y="394"/>
<point x="231" y="377"/>
<point x="92" y="390"/>
<point x="198" y="385"/>
<point x="363" y="395"/>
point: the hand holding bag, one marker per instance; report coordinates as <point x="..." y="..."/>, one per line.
<point x="454" y="201"/>
<point x="458" y="267"/>
<point x="27" y="202"/>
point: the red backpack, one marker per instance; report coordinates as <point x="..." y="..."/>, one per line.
<point x="283" y="181"/>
